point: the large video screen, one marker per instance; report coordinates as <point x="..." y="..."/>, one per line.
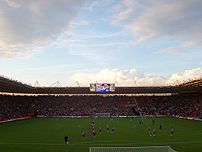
<point x="102" y="87"/>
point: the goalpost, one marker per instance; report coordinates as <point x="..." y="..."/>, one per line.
<point x="102" y="115"/>
<point x="132" y="149"/>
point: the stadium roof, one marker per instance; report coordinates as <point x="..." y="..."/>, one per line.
<point x="11" y="86"/>
<point x="192" y="83"/>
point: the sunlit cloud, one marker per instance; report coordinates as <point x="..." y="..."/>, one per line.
<point x="132" y="77"/>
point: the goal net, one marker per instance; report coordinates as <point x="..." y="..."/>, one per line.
<point x="104" y="115"/>
<point x="132" y="149"/>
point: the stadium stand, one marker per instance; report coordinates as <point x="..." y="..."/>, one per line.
<point x="9" y="85"/>
<point x="183" y="101"/>
<point x="23" y="106"/>
<point x="192" y="83"/>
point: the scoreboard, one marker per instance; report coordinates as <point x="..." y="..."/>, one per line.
<point x="102" y="87"/>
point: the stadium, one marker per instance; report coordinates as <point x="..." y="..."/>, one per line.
<point x="126" y="118"/>
<point x="100" y="76"/>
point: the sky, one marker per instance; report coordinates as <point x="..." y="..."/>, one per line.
<point x="126" y="42"/>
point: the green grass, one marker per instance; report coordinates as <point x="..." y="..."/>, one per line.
<point x="47" y="134"/>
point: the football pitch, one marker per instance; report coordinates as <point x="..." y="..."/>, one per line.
<point x="47" y="134"/>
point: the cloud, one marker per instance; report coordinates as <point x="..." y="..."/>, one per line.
<point x="179" y="20"/>
<point x="80" y="23"/>
<point x="123" y="11"/>
<point x="132" y="77"/>
<point x="94" y="47"/>
<point x="27" y="25"/>
<point x="127" y="76"/>
<point x="185" y="46"/>
<point x="12" y="3"/>
<point x="185" y="76"/>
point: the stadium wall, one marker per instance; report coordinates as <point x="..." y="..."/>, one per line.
<point x="15" y="119"/>
<point x="179" y="117"/>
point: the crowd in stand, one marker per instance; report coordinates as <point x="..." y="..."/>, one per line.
<point x="21" y="106"/>
<point x="173" y="105"/>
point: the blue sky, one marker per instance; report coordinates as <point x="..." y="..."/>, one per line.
<point x="129" y="42"/>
